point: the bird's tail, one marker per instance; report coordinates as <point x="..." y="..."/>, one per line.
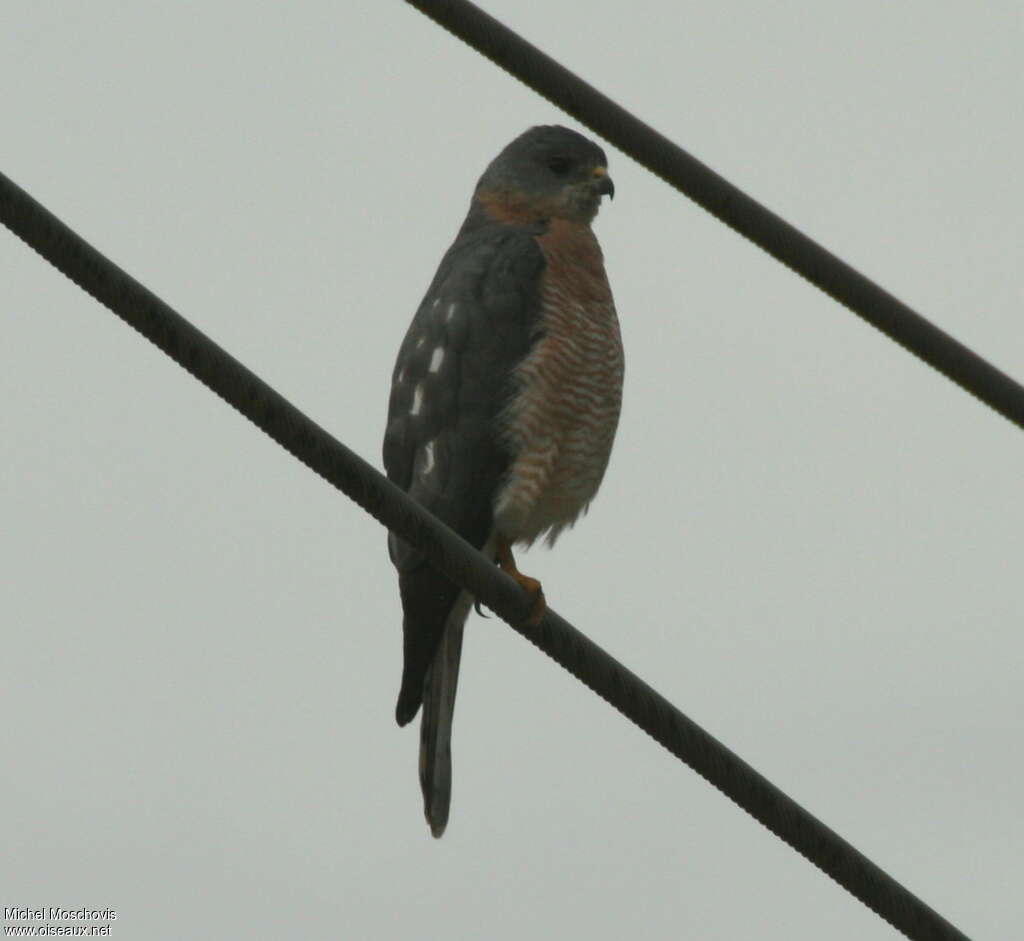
<point x="439" y="687"/>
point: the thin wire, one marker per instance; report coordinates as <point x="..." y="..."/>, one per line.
<point x="312" y="445"/>
<point x="728" y="203"/>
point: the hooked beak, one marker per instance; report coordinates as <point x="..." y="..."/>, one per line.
<point x="603" y="184"/>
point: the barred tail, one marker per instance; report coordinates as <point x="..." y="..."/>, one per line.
<point x="439" y="690"/>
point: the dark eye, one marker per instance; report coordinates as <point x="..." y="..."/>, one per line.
<point x="559" y="165"/>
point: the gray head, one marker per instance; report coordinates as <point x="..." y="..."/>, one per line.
<point x="547" y="172"/>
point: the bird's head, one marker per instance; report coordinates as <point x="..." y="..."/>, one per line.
<point x="547" y="172"/>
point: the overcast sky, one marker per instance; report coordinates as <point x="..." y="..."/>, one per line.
<point x="807" y="540"/>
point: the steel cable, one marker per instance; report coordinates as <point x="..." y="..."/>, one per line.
<point x="312" y="445"/>
<point x="728" y="203"/>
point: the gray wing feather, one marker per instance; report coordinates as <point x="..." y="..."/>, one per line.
<point x="452" y="379"/>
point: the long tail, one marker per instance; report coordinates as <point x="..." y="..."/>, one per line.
<point x="439" y="688"/>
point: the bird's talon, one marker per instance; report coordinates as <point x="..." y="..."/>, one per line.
<point x="531" y="586"/>
<point x="539" y="607"/>
<point x="538" y="604"/>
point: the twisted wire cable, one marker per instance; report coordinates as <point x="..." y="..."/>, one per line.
<point x="311" y="444"/>
<point x="728" y="203"/>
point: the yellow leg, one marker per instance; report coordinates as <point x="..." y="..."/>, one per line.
<point x="508" y="565"/>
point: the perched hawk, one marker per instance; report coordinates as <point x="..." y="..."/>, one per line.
<point x="504" y="403"/>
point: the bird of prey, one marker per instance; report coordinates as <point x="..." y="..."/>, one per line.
<point x="504" y="402"/>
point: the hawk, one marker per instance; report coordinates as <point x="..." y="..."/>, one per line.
<point x="504" y="402"/>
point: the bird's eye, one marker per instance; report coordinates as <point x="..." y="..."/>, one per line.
<point x="559" y="165"/>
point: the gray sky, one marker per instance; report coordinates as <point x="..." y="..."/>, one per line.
<point x="807" y="540"/>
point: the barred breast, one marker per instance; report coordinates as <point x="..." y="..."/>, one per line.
<point x="561" y="421"/>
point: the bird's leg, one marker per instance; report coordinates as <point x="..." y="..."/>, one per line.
<point x="508" y="565"/>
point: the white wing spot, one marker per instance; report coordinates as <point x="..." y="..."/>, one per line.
<point x="420" y="342"/>
<point x="417" y="400"/>
<point x="437" y="303"/>
<point x="428" y="460"/>
<point x="436" y="358"/>
<point x="400" y="378"/>
<point x="451" y="312"/>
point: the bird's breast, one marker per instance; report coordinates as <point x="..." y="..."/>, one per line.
<point x="561" y="420"/>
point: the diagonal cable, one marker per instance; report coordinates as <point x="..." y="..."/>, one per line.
<point x="728" y="203"/>
<point x="312" y="445"/>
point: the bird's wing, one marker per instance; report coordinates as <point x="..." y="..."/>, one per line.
<point x="453" y="377"/>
